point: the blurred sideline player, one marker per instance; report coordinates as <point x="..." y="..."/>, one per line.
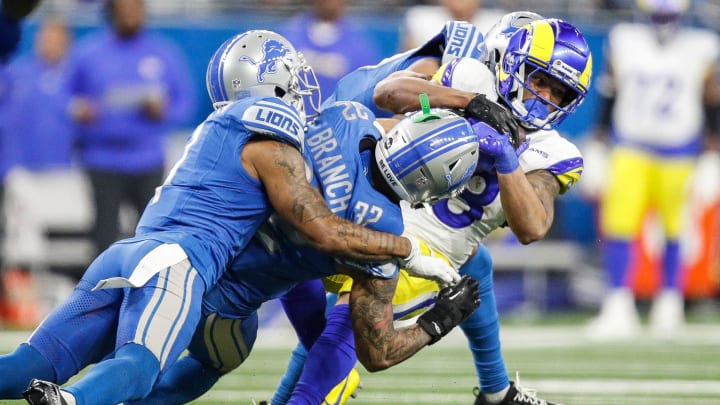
<point x="12" y="13"/>
<point x="655" y="103"/>
<point x="142" y="298"/>
<point x="530" y="85"/>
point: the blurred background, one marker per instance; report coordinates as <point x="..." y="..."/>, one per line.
<point x="49" y="211"/>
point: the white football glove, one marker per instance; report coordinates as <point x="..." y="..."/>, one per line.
<point x="426" y="263"/>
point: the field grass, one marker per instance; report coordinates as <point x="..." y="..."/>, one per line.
<point x="558" y="360"/>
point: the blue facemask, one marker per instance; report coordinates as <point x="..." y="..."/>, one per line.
<point x="536" y="109"/>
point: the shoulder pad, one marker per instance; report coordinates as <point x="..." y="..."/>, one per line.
<point x="271" y="117"/>
<point x="547" y="150"/>
<point x="462" y="39"/>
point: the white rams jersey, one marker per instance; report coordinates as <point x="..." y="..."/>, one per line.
<point x="659" y="87"/>
<point x="454" y="227"/>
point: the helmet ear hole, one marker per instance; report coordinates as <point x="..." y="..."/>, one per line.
<point x="279" y="92"/>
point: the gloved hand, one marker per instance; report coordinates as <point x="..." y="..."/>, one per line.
<point x="498" y="146"/>
<point x="482" y="109"/>
<point x="454" y="304"/>
<point x="426" y="263"/>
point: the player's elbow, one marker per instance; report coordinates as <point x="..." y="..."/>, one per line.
<point x="531" y="235"/>
<point x="389" y="97"/>
<point x="374" y="365"/>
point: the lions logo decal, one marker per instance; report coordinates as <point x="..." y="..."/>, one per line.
<point x="273" y="51"/>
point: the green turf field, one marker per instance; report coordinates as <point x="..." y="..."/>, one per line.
<point x="558" y="361"/>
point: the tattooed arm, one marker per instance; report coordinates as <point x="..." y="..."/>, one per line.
<point x="281" y="169"/>
<point x="377" y="343"/>
<point x="528" y="202"/>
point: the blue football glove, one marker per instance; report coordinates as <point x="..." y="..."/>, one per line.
<point x="498" y="146"/>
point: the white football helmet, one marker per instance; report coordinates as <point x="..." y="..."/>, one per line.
<point x="498" y="36"/>
<point x="262" y="63"/>
<point x="665" y="15"/>
<point x="428" y="156"/>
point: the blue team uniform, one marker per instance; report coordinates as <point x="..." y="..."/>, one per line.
<point x="339" y="145"/>
<point x="206" y="212"/>
<point x="457" y="39"/>
<point x="341" y="172"/>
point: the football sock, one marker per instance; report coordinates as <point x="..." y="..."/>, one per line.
<point x="21" y="366"/>
<point x="671" y="265"/>
<point x="329" y="360"/>
<point x="130" y="373"/>
<point x="183" y="382"/>
<point x="482" y="328"/>
<point x="304" y="306"/>
<point x="68" y="397"/>
<point x="497" y="397"/>
<point x="291" y="377"/>
<point x="616" y="261"/>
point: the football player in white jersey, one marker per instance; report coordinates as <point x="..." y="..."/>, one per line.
<point x="542" y="74"/>
<point x="660" y="85"/>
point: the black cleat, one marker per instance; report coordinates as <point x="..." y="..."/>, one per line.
<point x="41" y="392"/>
<point x="515" y="396"/>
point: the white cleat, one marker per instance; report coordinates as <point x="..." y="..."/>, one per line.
<point x="667" y="314"/>
<point x="618" y="318"/>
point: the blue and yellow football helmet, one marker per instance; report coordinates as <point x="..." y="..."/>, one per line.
<point x="556" y="48"/>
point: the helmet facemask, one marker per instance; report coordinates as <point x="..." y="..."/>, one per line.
<point x="304" y="89"/>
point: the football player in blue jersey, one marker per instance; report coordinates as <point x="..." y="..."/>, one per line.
<point x="542" y="73"/>
<point x="138" y="304"/>
<point x="357" y="169"/>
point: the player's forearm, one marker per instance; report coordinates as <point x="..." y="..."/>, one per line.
<point x="400" y="95"/>
<point x="377" y="343"/>
<point x="526" y="213"/>
<point x="378" y="355"/>
<point x="345" y="239"/>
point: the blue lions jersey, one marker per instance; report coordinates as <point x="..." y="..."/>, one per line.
<point x="457" y="39"/>
<point x="209" y="204"/>
<point x="339" y="144"/>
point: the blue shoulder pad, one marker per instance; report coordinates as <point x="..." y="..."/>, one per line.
<point x="462" y="39"/>
<point x="272" y="117"/>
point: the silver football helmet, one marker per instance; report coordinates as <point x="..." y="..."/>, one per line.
<point x="428" y="156"/>
<point x="262" y="63"/>
<point x="498" y="36"/>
